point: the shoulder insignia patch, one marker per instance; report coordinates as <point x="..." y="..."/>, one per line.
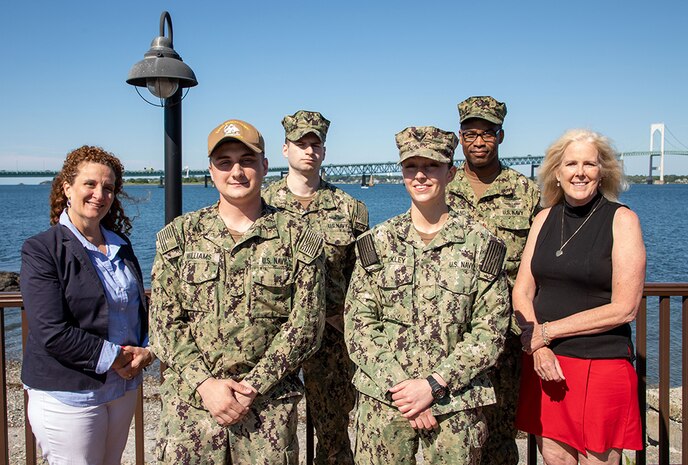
<point x="360" y="214"/>
<point x="310" y="244"/>
<point x="366" y="250"/>
<point x="494" y="257"/>
<point x="167" y="239"/>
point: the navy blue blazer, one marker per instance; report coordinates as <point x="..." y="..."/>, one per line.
<point x="67" y="311"/>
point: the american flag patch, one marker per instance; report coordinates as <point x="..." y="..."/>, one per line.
<point x="494" y="257"/>
<point x="366" y="250"/>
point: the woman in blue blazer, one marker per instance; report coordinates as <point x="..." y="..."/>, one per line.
<point x="86" y="308"/>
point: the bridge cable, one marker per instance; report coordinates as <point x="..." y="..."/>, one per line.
<point x="676" y="138"/>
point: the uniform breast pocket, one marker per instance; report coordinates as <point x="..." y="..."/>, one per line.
<point x="200" y="294"/>
<point x="515" y="229"/>
<point x="455" y="296"/>
<point x="396" y="289"/>
<point x="271" y="292"/>
<point x="199" y="284"/>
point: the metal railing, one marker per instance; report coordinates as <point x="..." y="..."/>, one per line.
<point x="663" y="291"/>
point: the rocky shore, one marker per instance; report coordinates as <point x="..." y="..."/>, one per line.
<point x="9" y="281"/>
<point x="15" y="416"/>
<point x="675" y="420"/>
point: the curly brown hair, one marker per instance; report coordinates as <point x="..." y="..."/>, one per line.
<point x="115" y="219"/>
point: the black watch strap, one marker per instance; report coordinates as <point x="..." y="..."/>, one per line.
<point x="438" y="391"/>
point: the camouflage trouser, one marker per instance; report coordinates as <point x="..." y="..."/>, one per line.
<point x="384" y="437"/>
<point x="330" y="396"/>
<point x="266" y="436"/>
<point x="501" y="448"/>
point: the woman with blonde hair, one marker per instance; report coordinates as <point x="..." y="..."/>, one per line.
<point x="578" y="289"/>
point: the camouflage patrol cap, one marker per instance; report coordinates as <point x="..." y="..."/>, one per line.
<point x="302" y="122"/>
<point x="239" y="130"/>
<point x="483" y="107"/>
<point x="426" y="141"/>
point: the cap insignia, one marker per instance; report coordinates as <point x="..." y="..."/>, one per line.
<point x="231" y="130"/>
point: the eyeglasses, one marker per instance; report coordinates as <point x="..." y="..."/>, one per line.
<point x="488" y="136"/>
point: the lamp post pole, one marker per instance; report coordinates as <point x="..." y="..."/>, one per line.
<point x="165" y="75"/>
<point x="173" y="156"/>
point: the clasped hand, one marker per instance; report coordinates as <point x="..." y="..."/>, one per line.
<point x="131" y="360"/>
<point x="413" y="398"/>
<point x="227" y="400"/>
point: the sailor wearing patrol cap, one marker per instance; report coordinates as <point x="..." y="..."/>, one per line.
<point x="425" y="318"/>
<point x="340" y="219"/>
<point x="506" y="202"/>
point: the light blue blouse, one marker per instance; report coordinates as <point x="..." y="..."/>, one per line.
<point x="124" y="327"/>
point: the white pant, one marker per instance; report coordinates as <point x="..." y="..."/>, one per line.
<point x="81" y="435"/>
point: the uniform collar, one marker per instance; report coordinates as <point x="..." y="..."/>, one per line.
<point x="264" y="227"/>
<point x="323" y="199"/>
<point x="453" y="230"/>
<point x="501" y="186"/>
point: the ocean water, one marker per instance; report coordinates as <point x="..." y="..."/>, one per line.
<point x="661" y="208"/>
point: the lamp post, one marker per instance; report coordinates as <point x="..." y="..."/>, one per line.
<point x="164" y="73"/>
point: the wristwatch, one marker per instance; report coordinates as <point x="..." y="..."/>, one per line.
<point x="439" y="392"/>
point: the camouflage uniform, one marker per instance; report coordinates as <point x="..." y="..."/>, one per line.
<point x="506" y="209"/>
<point x="339" y="218"/>
<point x="413" y="310"/>
<point x="248" y="310"/>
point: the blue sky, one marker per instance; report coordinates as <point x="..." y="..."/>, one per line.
<point x="372" y="68"/>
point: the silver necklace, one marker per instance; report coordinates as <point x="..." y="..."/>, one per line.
<point x="560" y="252"/>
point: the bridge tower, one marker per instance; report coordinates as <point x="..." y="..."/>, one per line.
<point x="654" y="128"/>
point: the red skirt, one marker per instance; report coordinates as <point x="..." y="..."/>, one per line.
<point x="595" y="408"/>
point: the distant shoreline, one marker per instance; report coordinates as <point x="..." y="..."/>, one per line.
<point x="341" y="179"/>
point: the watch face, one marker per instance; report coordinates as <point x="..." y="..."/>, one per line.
<point x="439" y="393"/>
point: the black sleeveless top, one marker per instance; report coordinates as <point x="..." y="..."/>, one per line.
<point x="580" y="278"/>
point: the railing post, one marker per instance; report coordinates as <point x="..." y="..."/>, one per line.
<point x="532" y="450"/>
<point x="310" y="447"/>
<point x="4" y="440"/>
<point x="664" y="360"/>
<point x="139" y="431"/>
<point x="29" y="440"/>
<point x="684" y="379"/>
<point x="641" y="370"/>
